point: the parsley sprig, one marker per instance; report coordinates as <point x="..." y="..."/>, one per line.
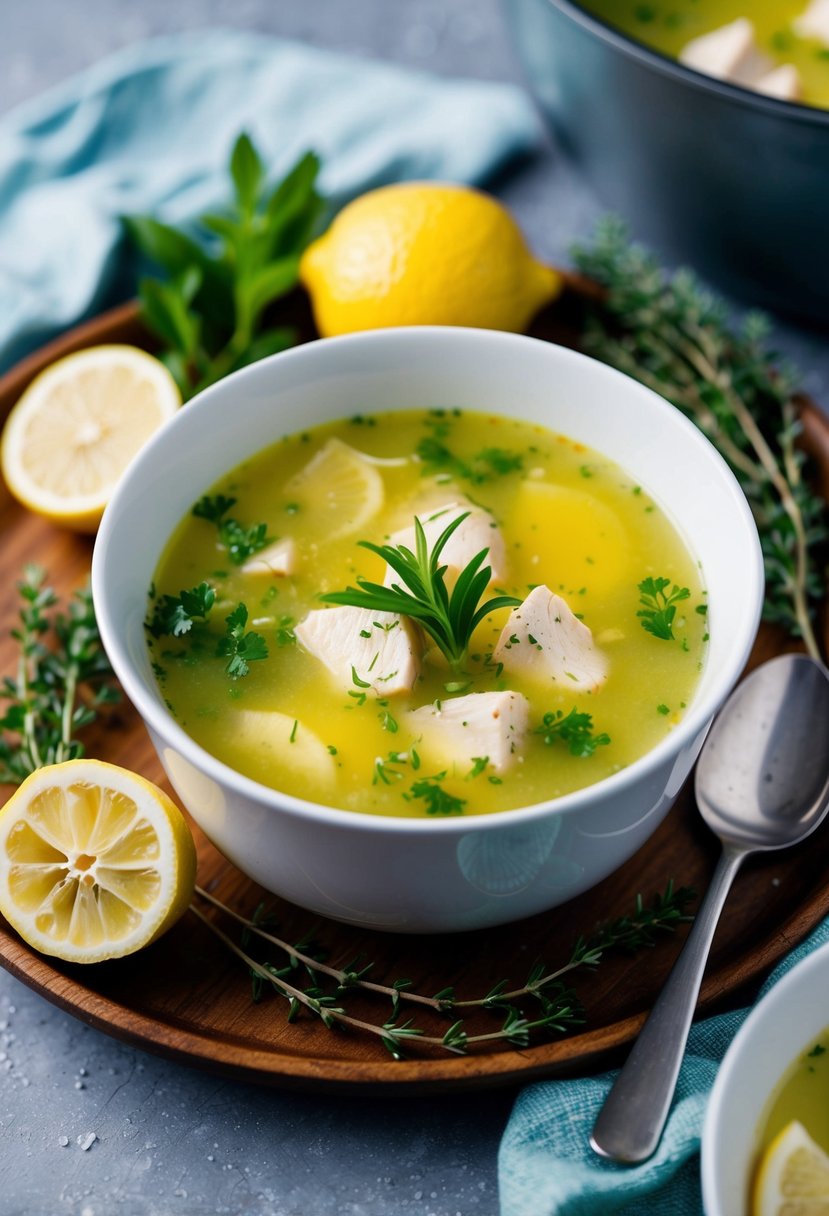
<point x="574" y="729"/>
<point x="239" y="541"/>
<point x="239" y="647"/>
<point x="210" y="312"/>
<point x="678" y="338"/>
<point x="63" y="678"/>
<point x="658" y="610"/>
<point x="450" y="619"/>
<point x="178" y="615"/>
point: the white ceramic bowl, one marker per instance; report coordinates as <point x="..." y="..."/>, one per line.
<point x="429" y="875"/>
<point x="772" y="1037"/>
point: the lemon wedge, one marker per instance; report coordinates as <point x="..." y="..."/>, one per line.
<point x="339" y="490"/>
<point x="95" y="861"/>
<point x="77" y="426"/>
<point x="793" y="1176"/>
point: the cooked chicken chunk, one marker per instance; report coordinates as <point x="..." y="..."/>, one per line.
<point x="544" y="640"/>
<point x="490" y="724"/>
<point x="814" y="22"/>
<point x="382" y="649"/>
<point x="280" y="558"/>
<point x="478" y="531"/>
<point x="729" y="53"/>
<point x="783" y="82"/>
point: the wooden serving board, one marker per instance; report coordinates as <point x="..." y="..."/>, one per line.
<point x="188" y="998"/>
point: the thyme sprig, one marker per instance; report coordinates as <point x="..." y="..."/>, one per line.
<point x="449" y="618"/>
<point x="676" y="337"/>
<point x="63" y="678"/>
<point x="559" y="1008"/>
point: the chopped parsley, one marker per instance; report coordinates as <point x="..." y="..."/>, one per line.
<point x="574" y="729"/>
<point x="658" y="608"/>
<point x="173" y="615"/>
<point x="436" y="800"/>
<point x="239" y="541"/>
<point x="238" y="647"/>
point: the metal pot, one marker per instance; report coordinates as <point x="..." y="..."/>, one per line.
<point x="733" y="182"/>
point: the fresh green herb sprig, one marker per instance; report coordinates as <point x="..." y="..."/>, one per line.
<point x="486" y="465"/>
<point x="676" y="337"/>
<point x="210" y="313"/>
<point x="239" y="647"/>
<point x="574" y="729"/>
<point x="308" y="983"/>
<point x="436" y="800"/>
<point x="177" y="615"/>
<point x="450" y="619"/>
<point x="63" y="678"/>
<point x="174" y="615"/>
<point x="658" y="610"/>
<point x="240" y="542"/>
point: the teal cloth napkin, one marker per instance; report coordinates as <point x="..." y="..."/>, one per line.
<point x="150" y="129"/>
<point x="546" y="1167"/>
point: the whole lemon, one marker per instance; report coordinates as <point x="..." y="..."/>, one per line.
<point x="424" y="253"/>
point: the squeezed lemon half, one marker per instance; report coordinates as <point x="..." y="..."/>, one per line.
<point x="793" y="1176"/>
<point x="424" y="253"/>
<point x="95" y="861"/>
<point x="77" y="426"/>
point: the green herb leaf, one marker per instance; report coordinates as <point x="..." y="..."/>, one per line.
<point x="174" y="615"/>
<point x="574" y="729"/>
<point x="659" y="606"/>
<point x="436" y="800"/>
<point x="211" y="312"/>
<point x="421" y="593"/>
<point x="63" y="678"/>
<point x="678" y="338"/>
<point x="238" y="647"/>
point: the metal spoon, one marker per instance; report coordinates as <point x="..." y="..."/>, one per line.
<point x="762" y="782"/>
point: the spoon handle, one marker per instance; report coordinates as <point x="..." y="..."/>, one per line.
<point x="630" y="1123"/>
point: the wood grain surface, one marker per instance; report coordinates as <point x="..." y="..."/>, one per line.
<point x="188" y="998"/>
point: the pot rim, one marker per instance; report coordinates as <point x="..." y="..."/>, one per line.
<point x="775" y="107"/>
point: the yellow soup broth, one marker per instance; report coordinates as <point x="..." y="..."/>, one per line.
<point x="802" y="1095"/>
<point x="570" y="519"/>
<point x="667" y="25"/>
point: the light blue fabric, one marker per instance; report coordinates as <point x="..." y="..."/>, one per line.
<point x="546" y="1167"/>
<point x="150" y="130"/>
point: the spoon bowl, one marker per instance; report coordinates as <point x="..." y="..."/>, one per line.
<point x="762" y="783"/>
<point x="762" y="779"/>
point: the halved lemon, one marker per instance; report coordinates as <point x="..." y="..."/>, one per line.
<point x="793" y="1176"/>
<point x="95" y="861"/>
<point x="339" y="489"/>
<point x="77" y="426"/>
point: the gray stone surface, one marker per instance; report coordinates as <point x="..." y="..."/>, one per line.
<point x="169" y="1140"/>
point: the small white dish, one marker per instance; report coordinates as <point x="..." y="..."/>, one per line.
<point x="775" y="1033"/>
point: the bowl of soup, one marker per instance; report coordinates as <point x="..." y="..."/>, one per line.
<point x="708" y="169"/>
<point x="339" y="749"/>
<point x="774" y="1074"/>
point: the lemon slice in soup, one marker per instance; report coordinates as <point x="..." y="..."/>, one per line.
<point x="571" y="536"/>
<point x="793" y="1176"/>
<point x="338" y="491"/>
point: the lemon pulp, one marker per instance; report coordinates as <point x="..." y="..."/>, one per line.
<point x="95" y="861"/>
